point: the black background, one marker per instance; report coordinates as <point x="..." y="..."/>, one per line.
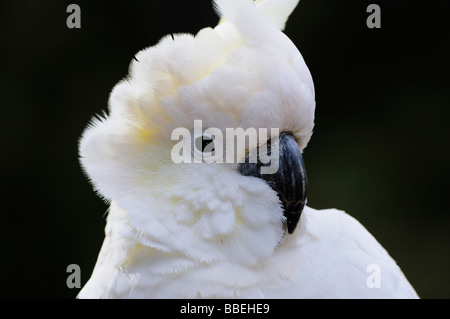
<point x="379" y="149"/>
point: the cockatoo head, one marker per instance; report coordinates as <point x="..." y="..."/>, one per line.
<point x="244" y="73"/>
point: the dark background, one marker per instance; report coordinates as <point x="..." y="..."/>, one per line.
<point x="379" y="149"/>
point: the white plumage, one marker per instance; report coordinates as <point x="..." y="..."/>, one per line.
<point x="204" y="230"/>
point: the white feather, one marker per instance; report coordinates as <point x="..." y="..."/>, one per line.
<point x="327" y="257"/>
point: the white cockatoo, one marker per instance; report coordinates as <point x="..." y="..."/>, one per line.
<point x="222" y="229"/>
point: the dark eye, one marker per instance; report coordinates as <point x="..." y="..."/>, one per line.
<point x="205" y="144"/>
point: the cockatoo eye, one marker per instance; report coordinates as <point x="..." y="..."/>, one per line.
<point x="204" y="144"/>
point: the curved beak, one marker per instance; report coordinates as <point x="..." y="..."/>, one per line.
<point x="288" y="180"/>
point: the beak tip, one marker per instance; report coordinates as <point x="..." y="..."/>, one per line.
<point x="292" y="219"/>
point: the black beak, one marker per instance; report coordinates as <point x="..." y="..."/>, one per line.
<point x="289" y="181"/>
